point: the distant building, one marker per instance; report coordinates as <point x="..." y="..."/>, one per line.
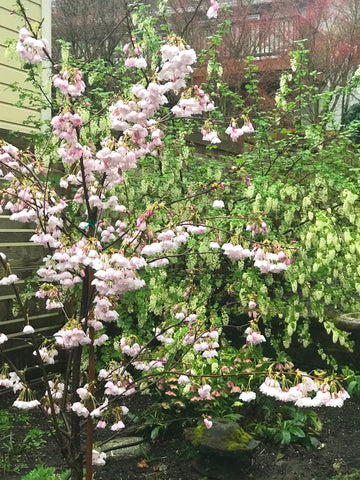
<point x="11" y="67"/>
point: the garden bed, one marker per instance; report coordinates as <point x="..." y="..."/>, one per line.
<point x="25" y="444"/>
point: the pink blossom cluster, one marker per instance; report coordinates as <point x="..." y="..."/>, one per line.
<point x="195" y="229"/>
<point x="190" y="337"/>
<point x="47" y="354"/>
<point x="29" y="204"/>
<point x="253" y="337"/>
<point x="146" y="366"/>
<point x="114" y="275"/>
<point x="235" y="132"/>
<point x="69" y="82"/>
<point x="15" y="382"/>
<point x="266" y="261"/>
<point x="98" y="411"/>
<point x="252" y="312"/>
<point x="121" y="383"/>
<point x="308" y="393"/>
<point x="29" y="48"/>
<point x="104" y="310"/>
<point x="132" y="350"/>
<point x="9" y="158"/>
<point x="236" y="252"/>
<point x="146" y="101"/>
<point x="9" y="280"/>
<point x="98" y="458"/>
<point x="218" y="204"/>
<point x="213" y="9"/>
<point x="183" y="380"/>
<point x="80" y="409"/>
<point x="141" y="135"/>
<point x="207" y="422"/>
<point x="164" y="336"/>
<point x="116" y="281"/>
<point x="135" y="58"/>
<point x="247" y="396"/>
<point x="254" y="228"/>
<point x="210" y="135"/>
<point x="168" y="241"/>
<point x="4" y="381"/>
<point x="177" y="58"/>
<point x="207" y="344"/>
<point x="57" y="390"/>
<point x="65" y="126"/>
<point x="119" y="425"/>
<point x="72" y="151"/>
<point x="71" y="338"/>
<point x="205" y="392"/>
<point x="28" y="330"/>
<point x="193" y="102"/>
<point x="25" y="404"/>
<point x="117" y="158"/>
<point x="271" y="262"/>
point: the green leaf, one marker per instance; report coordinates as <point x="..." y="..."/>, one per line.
<point x="285" y="437"/>
<point x="155" y="432"/>
<point x="298" y="432"/>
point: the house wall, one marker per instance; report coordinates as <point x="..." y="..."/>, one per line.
<point x="11" y="65"/>
<point x="23" y="256"/>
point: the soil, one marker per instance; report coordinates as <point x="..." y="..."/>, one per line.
<point x="170" y="458"/>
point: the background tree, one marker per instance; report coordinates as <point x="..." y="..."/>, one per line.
<point x="91" y="30"/>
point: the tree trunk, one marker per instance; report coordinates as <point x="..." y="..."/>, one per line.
<point x="76" y="469"/>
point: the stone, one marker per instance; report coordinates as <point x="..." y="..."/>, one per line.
<point x="225" y="450"/>
<point x="224" y="438"/>
<point x="125" y="447"/>
<point x="350" y="322"/>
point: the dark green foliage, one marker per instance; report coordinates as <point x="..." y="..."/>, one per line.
<point x="352" y="120"/>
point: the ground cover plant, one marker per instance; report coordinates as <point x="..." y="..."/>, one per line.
<point x="172" y="267"/>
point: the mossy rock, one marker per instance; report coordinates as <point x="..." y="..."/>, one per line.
<point x="350" y="322"/>
<point x="224" y="438"/>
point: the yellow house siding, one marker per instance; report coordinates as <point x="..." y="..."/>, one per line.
<point x="11" y="66"/>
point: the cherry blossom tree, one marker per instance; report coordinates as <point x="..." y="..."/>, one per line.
<point x="102" y="242"/>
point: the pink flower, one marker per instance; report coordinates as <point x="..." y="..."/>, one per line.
<point x="28" y="330"/>
<point x="9" y="280"/>
<point x="208" y="422"/>
<point x="23" y="405"/>
<point x="118" y="426"/>
<point x="254" y="338"/>
<point x="213" y="10"/>
<point x="247" y="396"/>
<point x="101" y="424"/>
<point x="252" y="304"/>
<point x="29" y="48"/>
<point x="170" y="393"/>
<point x="248" y="128"/>
<point x="183" y="379"/>
<point x="80" y="409"/>
<point x="69" y="83"/>
<point x="98" y="458"/>
<point x="204" y="391"/>
<point x="3" y="338"/>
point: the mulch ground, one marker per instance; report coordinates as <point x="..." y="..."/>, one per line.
<point x="170" y="458"/>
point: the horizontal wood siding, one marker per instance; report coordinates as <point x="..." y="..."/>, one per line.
<point x="24" y="258"/>
<point x="11" y="66"/>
